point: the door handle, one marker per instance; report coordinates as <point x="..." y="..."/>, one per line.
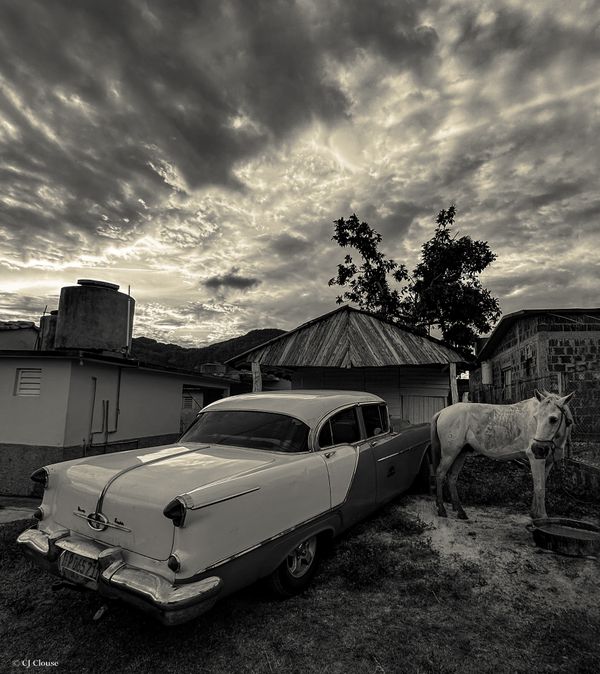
<point x="372" y="443"/>
<point x="328" y="455"/>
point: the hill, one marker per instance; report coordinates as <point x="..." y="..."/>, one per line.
<point x="173" y="355"/>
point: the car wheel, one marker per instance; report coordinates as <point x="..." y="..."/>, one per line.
<point x="295" y="573"/>
<point x="423" y="481"/>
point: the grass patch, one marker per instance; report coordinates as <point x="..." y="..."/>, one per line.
<point x="484" y="481"/>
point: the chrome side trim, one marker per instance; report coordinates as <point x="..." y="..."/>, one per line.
<point x="219" y="500"/>
<point x="267" y="540"/>
<point x="389" y="456"/>
<point x="417" y="444"/>
<point x="105" y="524"/>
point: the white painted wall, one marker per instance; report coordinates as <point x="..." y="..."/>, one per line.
<point x="150" y="402"/>
<point x="34" y="420"/>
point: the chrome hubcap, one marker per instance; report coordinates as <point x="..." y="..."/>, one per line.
<point x="301" y="559"/>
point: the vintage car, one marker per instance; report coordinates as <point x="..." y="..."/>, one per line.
<point x="254" y="489"/>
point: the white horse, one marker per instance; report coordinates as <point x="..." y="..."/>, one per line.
<point x="537" y="428"/>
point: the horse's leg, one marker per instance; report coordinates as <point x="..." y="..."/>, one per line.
<point x="538" y="473"/>
<point x="444" y="466"/>
<point x="452" y="479"/>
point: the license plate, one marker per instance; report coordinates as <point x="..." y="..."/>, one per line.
<point x="78" y="569"/>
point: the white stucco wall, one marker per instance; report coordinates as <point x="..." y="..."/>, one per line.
<point x="150" y="402"/>
<point x="34" y="420"/>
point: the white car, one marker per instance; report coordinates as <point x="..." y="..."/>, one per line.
<point x="252" y="490"/>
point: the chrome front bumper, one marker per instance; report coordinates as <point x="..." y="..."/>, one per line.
<point x="171" y="604"/>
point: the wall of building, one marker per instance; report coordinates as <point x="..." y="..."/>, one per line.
<point x="519" y="352"/>
<point x="413" y="394"/>
<point x="23" y="339"/>
<point x="39" y="419"/>
<point x="32" y="428"/>
<point x="571" y="347"/>
<point x="150" y="403"/>
<point x="55" y="426"/>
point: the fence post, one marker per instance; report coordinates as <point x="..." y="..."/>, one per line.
<point x="453" y="385"/>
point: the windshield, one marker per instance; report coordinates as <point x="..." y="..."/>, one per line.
<point x="255" y="430"/>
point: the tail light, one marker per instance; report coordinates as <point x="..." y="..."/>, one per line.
<point x="40" y="476"/>
<point x="175" y="511"/>
<point x="173" y="563"/>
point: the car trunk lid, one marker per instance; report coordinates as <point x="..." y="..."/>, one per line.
<point x="129" y="490"/>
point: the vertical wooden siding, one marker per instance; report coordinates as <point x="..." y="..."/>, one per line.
<point x="411" y="393"/>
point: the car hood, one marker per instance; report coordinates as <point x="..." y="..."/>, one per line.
<point x="135" y="486"/>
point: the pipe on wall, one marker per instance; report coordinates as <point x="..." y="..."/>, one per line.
<point x="105" y="430"/>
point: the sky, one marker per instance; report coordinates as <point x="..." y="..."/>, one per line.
<point x="198" y="152"/>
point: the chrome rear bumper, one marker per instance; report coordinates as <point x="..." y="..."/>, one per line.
<point x="171" y="604"/>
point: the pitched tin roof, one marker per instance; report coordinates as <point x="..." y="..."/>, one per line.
<point x="349" y="337"/>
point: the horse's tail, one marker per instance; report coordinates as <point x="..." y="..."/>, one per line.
<point x="436" y="447"/>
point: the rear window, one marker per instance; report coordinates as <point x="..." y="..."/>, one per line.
<point x="254" y="430"/>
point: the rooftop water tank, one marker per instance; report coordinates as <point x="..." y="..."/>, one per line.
<point x="93" y="315"/>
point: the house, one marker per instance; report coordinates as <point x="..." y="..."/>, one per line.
<point x="355" y="350"/>
<point x="82" y="395"/>
<point x="18" y="335"/>
<point x="553" y="349"/>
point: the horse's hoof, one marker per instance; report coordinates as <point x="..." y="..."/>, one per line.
<point x="462" y="515"/>
<point x="442" y="512"/>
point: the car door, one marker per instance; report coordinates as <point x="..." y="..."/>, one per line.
<point x="337" y="443"/>
<point x="388" y="462"/>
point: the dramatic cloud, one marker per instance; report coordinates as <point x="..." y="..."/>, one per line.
<point x="199" y="151"/>
<point x="232" y="279"/>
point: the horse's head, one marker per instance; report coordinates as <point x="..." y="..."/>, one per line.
<point x="553" y="419"/>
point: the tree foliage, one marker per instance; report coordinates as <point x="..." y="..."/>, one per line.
<point x="444" y="290"/>
<point x="368" y="284"/>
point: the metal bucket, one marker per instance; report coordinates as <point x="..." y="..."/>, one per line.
<point x="565" y="536"/>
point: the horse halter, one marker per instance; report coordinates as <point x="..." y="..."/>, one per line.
<point x="563" y="416"/>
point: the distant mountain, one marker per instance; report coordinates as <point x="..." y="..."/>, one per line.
<point x="151" y="351"/>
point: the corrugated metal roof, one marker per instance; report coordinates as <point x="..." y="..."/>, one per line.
<point x="349" y="337"/>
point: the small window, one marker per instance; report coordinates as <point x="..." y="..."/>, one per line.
<point x="344" y="427"/>
<point x="376" y="419"/>
<point x="325" y="439"/>
<point x="28" y="381"/>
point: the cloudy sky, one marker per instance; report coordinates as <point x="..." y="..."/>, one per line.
<point x="198" y="151"/>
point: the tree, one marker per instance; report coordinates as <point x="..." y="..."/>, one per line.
<point x="444" y="290"/>
<point x="369" y="284"/>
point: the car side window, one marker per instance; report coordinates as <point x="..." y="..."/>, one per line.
<point x="343" y="428"/>
<point x="376" y="419"/>
<point x="325" y="439"/>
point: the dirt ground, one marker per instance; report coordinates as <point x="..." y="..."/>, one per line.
<point x="403" y="592"/>
<point x="496" y="539"/>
